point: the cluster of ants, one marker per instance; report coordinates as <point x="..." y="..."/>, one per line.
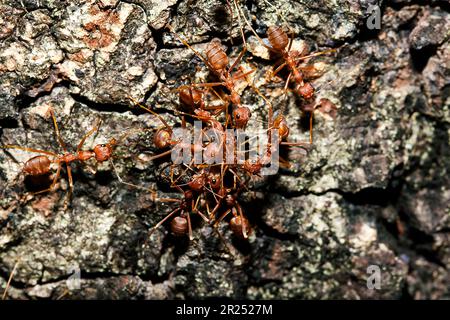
<point x="212" y="190"/>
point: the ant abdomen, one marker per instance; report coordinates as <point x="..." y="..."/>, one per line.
<point x="191" y="99"/>
<point x="241" y="116"/>
<point x="277" y="37"/>
<point x="162" y="138"/>
<point x="238" y="225"/>
<point x="37" y="166"/>
<point x="216" y="56"/>
<point x="179" y="226"/>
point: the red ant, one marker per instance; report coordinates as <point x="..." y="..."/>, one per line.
<point x="40" y="165"/>
<point x="181" y="224"/>
<point x="281" y="45"/>
<point x="279" y="125"/>
<point x="217" y="61"/>
<point x="163" y="137"/>
<point x="238" y="223"/>
<point x="191" y="99"/>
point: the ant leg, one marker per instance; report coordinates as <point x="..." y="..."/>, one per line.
<point x="10" y="146"/>
<point x="202" y="215"/>
<point x="217" y="94"/>
<point x="236" y="178"/>
<point x="285" y="90"/>
<point x="196" y="210"/>
<point x="70" y="193"/>
<point x="153" y="192"/>
<point x="291" y="41"/>
<point x="163" y="220"/>
<point x="223" y="106"/>
<point x="173" y="182"/>
<point x="243" y="75"/>
<point x="318" y="53"/>
<point x="208" y="84"/>
<point x="258" y="92"/>
<point x="243" y="221"/>
<point x="212" y="213"/>
<point x="278" y="69"/>
<point x="221" y="218"/>
<point x="55" y="179"/>
<point x="58" y="134"/>
<point x="215" y="195"/>
<point x="251" y="28"/>
<point x="88" y="134"/>
<point x="190" y="47"/>
<point x="189" y="226"/>
<point x="151" y="111"/>
<point x="131" y="184"/>
<point x="244" y="42"/>
<point x="229" y="248"/>
<point x="128" y="183"/>
<point x="304" y="145"/>
<point x="165" y="153"/>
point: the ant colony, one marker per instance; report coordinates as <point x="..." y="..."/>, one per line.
<point x="214" y="166"/>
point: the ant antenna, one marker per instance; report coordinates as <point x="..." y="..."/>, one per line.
<point x="151" y="111"/>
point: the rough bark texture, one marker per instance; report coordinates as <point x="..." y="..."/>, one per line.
<point x="374" y="190"/>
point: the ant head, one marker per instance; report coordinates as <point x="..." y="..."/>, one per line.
<point x="162" y="138"/>
<point x="306" y="91"/>
<point x="230" y="200"/>
<point x="197" y="183"/>
<point x="103" y="152"/>
<point x="253" y="166"/>
<point x="277" y="37"/>
<point x="191" y="98"/>
<point x="215" y="181"/>
<point x="179" y="226"/>
<point x="241" y="116"/>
